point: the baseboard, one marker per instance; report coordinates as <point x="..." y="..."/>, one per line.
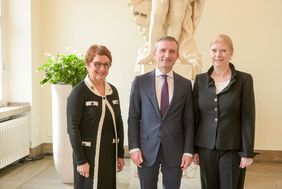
<point x="35" y="152"/>
<point x="40" y="150"/>
<point x="274" y="156"/>
<point x="47" y="148"/>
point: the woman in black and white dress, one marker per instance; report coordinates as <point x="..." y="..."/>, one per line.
<point x="95" y="125"/>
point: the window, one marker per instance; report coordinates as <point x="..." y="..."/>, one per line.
<point x="1" y="53"/>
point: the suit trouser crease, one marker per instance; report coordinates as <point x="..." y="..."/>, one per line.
<point x="148" y="175"/>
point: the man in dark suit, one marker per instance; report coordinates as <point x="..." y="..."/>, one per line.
<point x="160" y="122"/>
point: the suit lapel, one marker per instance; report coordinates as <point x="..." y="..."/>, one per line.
<point x="152" y="91"/>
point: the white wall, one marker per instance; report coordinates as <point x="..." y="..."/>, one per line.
<point x="81" y="24"/>
<point x="254" y="26"/>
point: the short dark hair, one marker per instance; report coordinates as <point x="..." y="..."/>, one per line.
<point x="167" y="38"/>
<point x="97" y="49"/>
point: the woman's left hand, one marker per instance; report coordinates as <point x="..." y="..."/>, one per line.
<point x="245" y="162"/>
<point x="83" y="170"/>
<point x="120" y="164"/>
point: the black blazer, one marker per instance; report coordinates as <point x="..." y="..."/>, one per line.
<point x="225" y="121"/>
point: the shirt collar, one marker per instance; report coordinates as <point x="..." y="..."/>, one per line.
<point x="233" y="75"/>
<point x="89" y="84"/>
<point x="159" y="73"/>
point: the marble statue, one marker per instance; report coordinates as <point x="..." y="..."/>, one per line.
<point x="176" y="18"/>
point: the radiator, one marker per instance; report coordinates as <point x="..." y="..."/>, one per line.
<point x="14" y="140"/>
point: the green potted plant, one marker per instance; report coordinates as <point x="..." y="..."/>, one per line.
<point x="63" y="71"/>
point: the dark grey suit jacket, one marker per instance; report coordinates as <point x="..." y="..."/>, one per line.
<point x="147" y="129"/>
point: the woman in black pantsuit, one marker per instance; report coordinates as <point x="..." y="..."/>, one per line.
<point x="95" y="125"/>
<point x="225" y="120"/>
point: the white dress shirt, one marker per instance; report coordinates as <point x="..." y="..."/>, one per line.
<point x="159" y="80"/>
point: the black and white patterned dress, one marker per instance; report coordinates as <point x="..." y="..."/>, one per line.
<point x="96" y="133"/>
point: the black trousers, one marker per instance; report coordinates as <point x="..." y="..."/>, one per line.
<point x="220" y="169"/>
<point x="148" y="175"/>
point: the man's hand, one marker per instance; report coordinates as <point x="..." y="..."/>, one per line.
<point x="185" y="162"/>
<point x="136" y="158"/>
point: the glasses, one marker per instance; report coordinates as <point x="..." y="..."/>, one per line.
<point x="106" y="65"/>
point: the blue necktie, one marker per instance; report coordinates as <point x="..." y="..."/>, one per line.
<point x="164" y="96"/>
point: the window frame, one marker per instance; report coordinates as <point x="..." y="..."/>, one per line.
<point x="2" y="60"/>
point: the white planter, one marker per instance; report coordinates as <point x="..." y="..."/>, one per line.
<point x="62" y="151"/>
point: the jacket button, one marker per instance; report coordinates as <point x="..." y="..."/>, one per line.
<point x="215" y="119"/>
<point x="215" y="99"/>
<point x="215" y="109"/>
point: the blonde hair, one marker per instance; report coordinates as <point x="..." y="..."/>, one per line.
<point x="225" y="39"/>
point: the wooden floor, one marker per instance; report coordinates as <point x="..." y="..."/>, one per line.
<point x="41" y="174"/>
